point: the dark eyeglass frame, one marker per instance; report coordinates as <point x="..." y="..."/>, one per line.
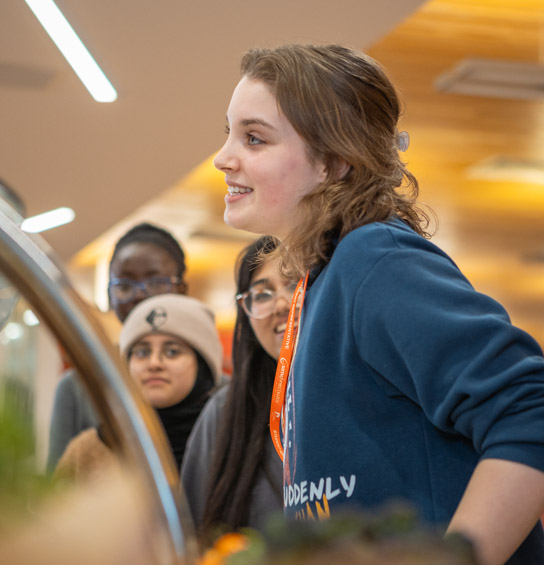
<point x="170" y="282"/>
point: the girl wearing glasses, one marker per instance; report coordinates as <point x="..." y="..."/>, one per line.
<point x="174" y="354"/>
<point x="406" y="383"/>
<point x="147" y="260"/>
<point x="231" y="475"/>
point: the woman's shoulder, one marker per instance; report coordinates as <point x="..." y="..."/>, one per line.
<point x="85" y="455"/>
<point x="369" y="243"/>
<point x="201" y="442"/>
<point x="384" y="251"/>
<point x="70" y="390"/>
<point x="87" y="439"/>
<point x="68" y="384"/>
<point x="211" y="413"/>
<point x="372" y="242"/>
<point x="392" y="233"/>
<point x="219" y="396"/>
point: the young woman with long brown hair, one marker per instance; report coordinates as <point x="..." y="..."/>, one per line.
<point x="407" y="383"/>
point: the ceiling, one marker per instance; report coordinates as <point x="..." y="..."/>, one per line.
<point x="494" y="230"/>
<point x="174" y="64"/>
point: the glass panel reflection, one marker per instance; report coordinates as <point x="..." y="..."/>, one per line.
<point x="24" y="404"/>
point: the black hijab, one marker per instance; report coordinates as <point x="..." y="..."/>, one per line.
<point x="178" y="420"/>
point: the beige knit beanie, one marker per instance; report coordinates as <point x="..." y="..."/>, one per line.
<point x="177" y="315"/>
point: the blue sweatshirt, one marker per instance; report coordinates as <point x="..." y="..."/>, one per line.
<point x="404" y="378"/>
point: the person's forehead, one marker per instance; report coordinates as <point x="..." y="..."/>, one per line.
<point x="268" y="271"/>
<point x="253" y="101"/>
<point x="142" y="256"/>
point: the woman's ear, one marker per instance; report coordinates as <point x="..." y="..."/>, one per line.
<point x="342" y="168"/>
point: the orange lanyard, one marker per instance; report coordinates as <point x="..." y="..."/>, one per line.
<point x="283" y="367"/>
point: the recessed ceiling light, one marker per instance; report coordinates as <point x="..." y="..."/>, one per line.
<point x="69" y="44"/>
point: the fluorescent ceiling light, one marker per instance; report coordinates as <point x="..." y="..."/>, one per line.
<point x="48" y="220"/>
<point x="505" y="169"/>
<point x="69" y="44"/>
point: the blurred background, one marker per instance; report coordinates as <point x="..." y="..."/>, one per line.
<point x="470" y="73"/>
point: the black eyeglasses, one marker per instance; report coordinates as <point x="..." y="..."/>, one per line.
<point x="260" y="303"/>
<point x="124" y="290"/>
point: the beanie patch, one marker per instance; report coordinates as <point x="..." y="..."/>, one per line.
<point x="156" y="318"/>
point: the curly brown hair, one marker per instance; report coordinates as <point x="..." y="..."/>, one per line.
<point x="343" y="105"/>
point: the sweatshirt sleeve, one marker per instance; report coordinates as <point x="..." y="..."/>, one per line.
<point x="452" y="351"/>
<point x="198" y="457"/>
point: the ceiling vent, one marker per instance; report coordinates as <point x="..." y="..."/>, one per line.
<point x="494" y="78"/>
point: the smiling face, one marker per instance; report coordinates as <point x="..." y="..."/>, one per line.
<point x="265" y="161"/>
<point x="165" y="367"/>
<point x="269" y="331"/>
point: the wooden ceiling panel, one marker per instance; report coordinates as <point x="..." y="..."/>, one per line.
<point x="493" y="229"/>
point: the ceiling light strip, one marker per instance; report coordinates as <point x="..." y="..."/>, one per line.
<point x="48" y="220"/>
<point x="69" y="44"/>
